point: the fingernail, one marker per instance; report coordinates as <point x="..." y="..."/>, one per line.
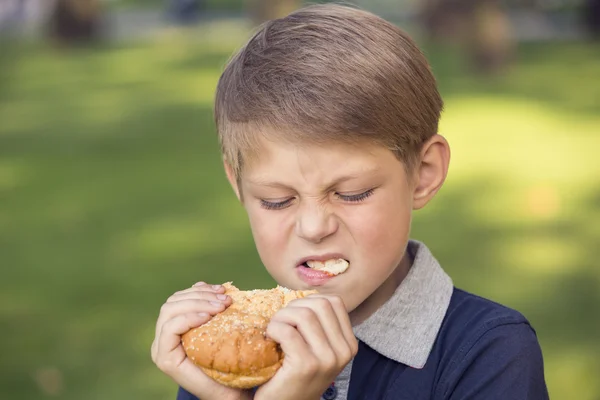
<point x="222" y="296"/>
<point x="203" y="314"/>
<point x="200" y="284"/>
<point x="216" y="303"/>
<point x="216" y="287"/>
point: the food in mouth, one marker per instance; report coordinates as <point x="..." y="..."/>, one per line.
<point x="318" y="273"/>
<point x="331" y="267"/>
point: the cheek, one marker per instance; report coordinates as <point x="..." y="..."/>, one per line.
<point x="379" y="235"/>
<point x="382" y="230"/>
<point x="268" y="230"/>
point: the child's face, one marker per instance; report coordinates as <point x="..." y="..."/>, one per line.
<point x="333" y="201"/>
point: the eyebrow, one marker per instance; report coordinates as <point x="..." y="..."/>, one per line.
<point x="337" y="181"/>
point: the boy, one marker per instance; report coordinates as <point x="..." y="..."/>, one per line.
<point x="328" y="125"/>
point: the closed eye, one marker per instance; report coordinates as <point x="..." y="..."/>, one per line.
<point x="275" y="205"/>
<point x="350" y="198"/>
<point x="355" y="198"/>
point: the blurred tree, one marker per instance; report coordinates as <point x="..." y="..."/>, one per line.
<point x="591" y="18"/>
<point x="481" y="27"/>
<point x="186" y="11"/>
<point x="75" y="21"/>
<point x="263" y="10"/>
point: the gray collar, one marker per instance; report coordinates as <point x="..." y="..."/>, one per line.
<point x="404" y="329"/>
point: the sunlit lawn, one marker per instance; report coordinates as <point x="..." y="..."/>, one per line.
<point x="112" y="197"/>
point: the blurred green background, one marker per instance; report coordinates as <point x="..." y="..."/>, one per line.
<point x="113" y="197"/>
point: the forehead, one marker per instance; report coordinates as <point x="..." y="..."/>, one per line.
<point x="276" y="159"/>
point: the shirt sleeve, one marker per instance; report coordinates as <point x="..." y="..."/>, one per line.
<point x="183" y="394"/>
<point x="505" y="362"/>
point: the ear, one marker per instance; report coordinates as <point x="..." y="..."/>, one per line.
<point x="232" y="179"/>
<point x="432" y="170"/>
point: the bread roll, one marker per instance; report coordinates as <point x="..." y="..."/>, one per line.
<point x="232" y="348"/>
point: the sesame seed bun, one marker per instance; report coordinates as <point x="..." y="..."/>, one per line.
<point x="232" y="348"/>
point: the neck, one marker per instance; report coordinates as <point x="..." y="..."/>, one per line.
<point x="383" y="292"/>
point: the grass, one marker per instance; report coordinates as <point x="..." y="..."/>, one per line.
<point x="113" y="197"/>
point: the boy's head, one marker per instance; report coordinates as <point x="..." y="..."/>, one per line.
<point x="328" y="123"/>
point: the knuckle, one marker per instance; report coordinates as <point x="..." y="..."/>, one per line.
<point x="336" y="301"/>
<point x="271" y="330"/>
<point x="306" y="314"/>
<point x="165" y="308"/>
<point x="282" y="331"/>
<point x="322" y="302"/>
<point x="273" y="325"/>
<point x="310" y="366"/>
<point x="287" y="332"/>
<point x="346" y="354"/>
<point x="169" y="326"/>
<point x="173" y="297"/>
<point x="329" y="362"/>
<point x="178" y="293"/>
<point x="202" y="289"/>
<point x="293" y="303"/>
<point x="165" y="365"/>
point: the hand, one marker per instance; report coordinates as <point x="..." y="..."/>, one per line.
<point x="316" y="338"/>
<point x="183" y="311"/>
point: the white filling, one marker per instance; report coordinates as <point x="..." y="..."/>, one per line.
<point x="333" y="267"/>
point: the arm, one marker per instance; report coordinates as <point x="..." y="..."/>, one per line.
<point x="505" y="362"/>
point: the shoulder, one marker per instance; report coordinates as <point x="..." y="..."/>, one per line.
<point x="471" y="315"/>
<point x="472" y="320"/>
<point x="483" y="341"/>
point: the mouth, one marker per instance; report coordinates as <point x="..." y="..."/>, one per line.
<point x="329" y="264"/>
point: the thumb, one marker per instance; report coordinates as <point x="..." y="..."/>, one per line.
<point x="170" y="335"/>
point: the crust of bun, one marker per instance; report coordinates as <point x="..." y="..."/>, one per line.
<point x="243" y="381"/>
<point x="232" y="348"/>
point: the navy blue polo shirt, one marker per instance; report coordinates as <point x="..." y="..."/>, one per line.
<point x="483" y="351"/>
<point x="431" y="340"/>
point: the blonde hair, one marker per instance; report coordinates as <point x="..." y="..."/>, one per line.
<point x="322" y="74"/>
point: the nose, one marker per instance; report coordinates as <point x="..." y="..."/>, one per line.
<point x="315" y="222"/>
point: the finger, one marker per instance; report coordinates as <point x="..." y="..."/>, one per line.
<point x="202" y="287"/>
<point x="169" y="339"/>
<point x="343" y="320"/>
<point x="307" y="323"/>
<point x="170" y="310"/>
<point x="208" y="286"/>
<point x="292" y="343"/>
<point x="329" y="320"/>
<point x="199" y="295"/>
<point x="342" y="312"/>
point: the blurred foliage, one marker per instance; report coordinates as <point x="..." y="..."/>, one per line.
<point x="216" y="5"/>
<point x="113" y="197"/>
